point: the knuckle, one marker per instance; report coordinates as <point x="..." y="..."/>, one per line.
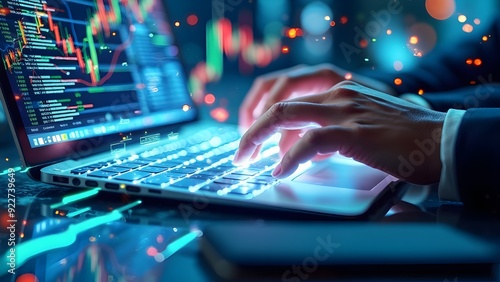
<point x="352" y="107"/>
<point x="312" y="137"/>
<point x="278" y="109"/>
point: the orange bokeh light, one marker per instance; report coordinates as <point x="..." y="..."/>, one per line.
<point x="363" y="43"/>
<point x="469" y="61"/>
<point x="219" y="114"/>
<point x="440" y="9"/>
<point x="27" y="277"/>
<point x="414" y="40"/>
<point x="467" y="28"/>
<point x="478" y="62"/>
<point x="398" y="81"/>
<point x="209" y="99"/>
<point x="285" y="50"/>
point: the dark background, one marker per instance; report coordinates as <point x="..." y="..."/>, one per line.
<point x="322" y="40"/>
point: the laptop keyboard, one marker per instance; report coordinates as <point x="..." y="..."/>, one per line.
<point x="201" y="163"/>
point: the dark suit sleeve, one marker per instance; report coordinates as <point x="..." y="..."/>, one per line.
<point x="479" y="96"/>
<point x="477" y="158"/>
<point x="446" y="69"/>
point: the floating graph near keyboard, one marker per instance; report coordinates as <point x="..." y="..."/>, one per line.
<point x="56" y="30"/>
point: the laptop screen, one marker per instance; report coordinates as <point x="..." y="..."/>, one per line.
<point x="79" y="69"/>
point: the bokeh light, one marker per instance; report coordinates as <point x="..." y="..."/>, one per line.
<point x="219" y="114"/>
<point x="192" y="20"/>
<point x="468" y="28"/>
<point x="27" y="277"/>
<point x="398" y="65"/>
<point x="478" y="62"/>
<point x="313" y="17"/>
<point x="152" y="251"/>
<point x="424" y="39"/>
<point x="209" y="99"/>
<point x="462" y="18"/>
<point x="477" y="21"/>
<point x="440" y="9"/>
<point x="414" y="40"/>
<point x="398" y="81"/>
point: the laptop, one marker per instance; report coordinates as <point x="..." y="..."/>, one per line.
<point x="99" y="100"/>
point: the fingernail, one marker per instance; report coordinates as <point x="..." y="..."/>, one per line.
<point x="277" y="171"/>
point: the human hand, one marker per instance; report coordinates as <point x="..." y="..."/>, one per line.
<point x="377" y="129"/>
<point x="297" y="81"/>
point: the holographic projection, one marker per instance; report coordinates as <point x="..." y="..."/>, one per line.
<point x="61" y="55"/>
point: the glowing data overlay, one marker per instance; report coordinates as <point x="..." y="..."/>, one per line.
<point x="80" y="68"/>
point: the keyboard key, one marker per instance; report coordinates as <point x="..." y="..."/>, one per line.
<point x="153" y="169"/>
<point x="158" y="180"/>
<point x="143" y="161"/>
<point x="188" y="182"/>
<point x="184" y="170"/>
<point x="265" y="163"/>
<point x="98" y="165"/>
<point x="116" y="169"/>
<point x="245" y="190"/>
<point x="213" y="187"/>
<point x="201" y="176"/>
<point x="262" y="180"/>
<point x="133" y="175"/>
<point x="236" y="176"/>
<point x="102" y="174"/>
<point x="218" y="170"/>
<point x="226" y="181"/>
<point x="166" y="164"/>
<point x="81" y="170"/>
<point x="131" y="165"/>
<point x="248" y="172"/>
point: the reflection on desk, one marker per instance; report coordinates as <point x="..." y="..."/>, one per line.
<point x="102" y="237"/>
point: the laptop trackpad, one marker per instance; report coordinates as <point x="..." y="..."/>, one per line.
<point x="341" y="173"/>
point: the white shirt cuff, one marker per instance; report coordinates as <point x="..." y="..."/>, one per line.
<point x="415" y="99"/>
<point x="448" y="188"/>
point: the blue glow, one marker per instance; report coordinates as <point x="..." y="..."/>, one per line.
<point x="34" y="247"/>
<point x="313" y="19"/>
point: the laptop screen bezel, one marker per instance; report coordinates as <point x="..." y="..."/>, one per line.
<point x="81" y="148"/>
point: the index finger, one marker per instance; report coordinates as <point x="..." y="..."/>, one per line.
<point x="258" y="90"/>
<point x="283" y="115"/>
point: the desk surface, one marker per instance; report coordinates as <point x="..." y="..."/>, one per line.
<point x="106" y="247"/>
